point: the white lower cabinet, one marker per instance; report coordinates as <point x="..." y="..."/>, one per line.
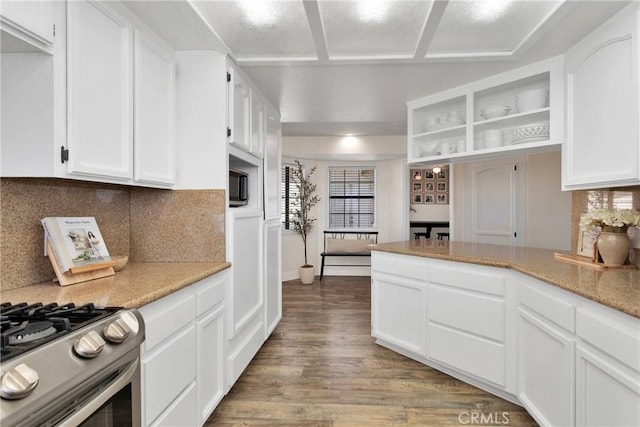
<point x="607" y="369"/>
<point x="182" y="366"/>
<point x="568" y="360"/>
<point x="398" y="302"/>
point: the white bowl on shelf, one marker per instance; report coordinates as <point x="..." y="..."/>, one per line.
<point x="530" y="133"/>
<point x="494" y="111"/>
<point x="532" y="99"/>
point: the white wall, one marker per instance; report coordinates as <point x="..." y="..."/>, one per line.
<point x="387" y="155"/>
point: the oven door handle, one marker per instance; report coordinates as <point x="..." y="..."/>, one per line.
<point x="81" y="414"/>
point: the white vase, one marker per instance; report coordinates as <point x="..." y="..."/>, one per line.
<point x="307" y="275"/>
<point x="614" y="248"/>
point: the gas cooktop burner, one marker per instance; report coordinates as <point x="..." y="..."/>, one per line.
<point x="28" y="332"/>
<point x="24" y="327"/>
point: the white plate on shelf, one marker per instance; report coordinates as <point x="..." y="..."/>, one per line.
<point x="531" y="139"/>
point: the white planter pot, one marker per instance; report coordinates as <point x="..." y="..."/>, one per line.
<point x="307" y="275"/>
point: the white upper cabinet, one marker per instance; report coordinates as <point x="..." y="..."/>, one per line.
<point x="154" y="148"/>
<point x="239" y="110"/>
<point x="29" y="24"/>
<point x="99" y="92"/>
<point x="603" y="142"/>
<point x="258" y="125"/>
<point x="510" y="113"/>
<point x="272" y="166"/>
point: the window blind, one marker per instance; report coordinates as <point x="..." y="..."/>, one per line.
<point x="289" y="191"/>
<point x="352" y="197"/>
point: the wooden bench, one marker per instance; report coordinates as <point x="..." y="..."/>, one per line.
<point x="347" y="244"/>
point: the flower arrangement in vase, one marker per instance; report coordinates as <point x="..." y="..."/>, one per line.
<point x="613" y="242"/>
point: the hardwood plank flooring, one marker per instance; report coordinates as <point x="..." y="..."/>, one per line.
<point x="321" y="367"/>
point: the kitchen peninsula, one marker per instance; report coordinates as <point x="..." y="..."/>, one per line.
<point x="559" y="339"/>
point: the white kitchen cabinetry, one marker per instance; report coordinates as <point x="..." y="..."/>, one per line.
<point x="568" y="360"/>
<point x="603" y="106"/>
<point x="272" y="162"/>
<point x="258" y="124"/>
<point x="450" y="126"/>
<point x="546" y="354"/>
<point x="99" y="91"/>
<point x="607" y="368"/>
<point x="239" y="109"/>
<point x="466" y="315"/>
<point x="245" y="313"/>
<point x="78" y="117"/>
<point x="398" y="302"/>
<point x="272" y="275"/>
<point x="182" y="366"/>
<point x="153" y="142"/>
<point x="30" y="23"/>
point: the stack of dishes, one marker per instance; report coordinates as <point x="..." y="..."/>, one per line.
<point x="530" y="133"/>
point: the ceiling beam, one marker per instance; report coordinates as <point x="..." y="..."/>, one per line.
<point x="317" y="31"/>
<point x="430" y="25"/>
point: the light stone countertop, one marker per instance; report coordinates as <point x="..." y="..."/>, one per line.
<point x="134" y="286"/>
<point x="615" y="288"/>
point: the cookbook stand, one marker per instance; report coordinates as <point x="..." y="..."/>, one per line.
<point x="82" y="273"/>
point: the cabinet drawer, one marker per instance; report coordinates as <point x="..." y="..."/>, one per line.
<point x="478" y="314"/>
<point x="618" y="337"/>
<point x="210" y="293"/>
<point x="479" y="357"/>
<point x="399" y="265"/>
<point x="167" y="372"/>
<point x="166" y="316"/>
<point x="552" y="308"/>
<point x="182" y="412"/>
<point x="468" y="277"/>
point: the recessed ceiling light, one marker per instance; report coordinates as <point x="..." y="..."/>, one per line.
<point x="259" y="12"/>
<point x="489" y="10"/>
<point x="372" y="10"/>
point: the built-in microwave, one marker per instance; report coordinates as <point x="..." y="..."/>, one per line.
<point x="238" y="188"/>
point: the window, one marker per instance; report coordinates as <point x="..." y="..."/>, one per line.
<point x="352" y="197"/>
<point x="289" y="192"/>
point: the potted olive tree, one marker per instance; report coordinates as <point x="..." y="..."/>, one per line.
<point x="302" y="221"/>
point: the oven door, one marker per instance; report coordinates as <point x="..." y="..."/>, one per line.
<point x="113" y="399"/>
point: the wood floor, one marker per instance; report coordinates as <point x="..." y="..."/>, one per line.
<point x="321" y="367"/>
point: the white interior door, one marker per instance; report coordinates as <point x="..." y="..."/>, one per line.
<point x="497" y="202"/>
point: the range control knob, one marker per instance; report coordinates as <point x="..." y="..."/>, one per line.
<point x="117" y="331"/>
<point x="89" y="345"/>
<point x="18" y="382"/>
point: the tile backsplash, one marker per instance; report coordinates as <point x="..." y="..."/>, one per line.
<point x="149" y="225"/>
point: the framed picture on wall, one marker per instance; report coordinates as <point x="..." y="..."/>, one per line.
<point x="441" y="187"/>
<point x="442" y="199"/>
<point x="428" y="174"/>
<point x="442" y="174"/>
<point x="416" y="198"/>
<point x="429" y="186"/>
<point x="417" y="186"/>
<point x="429" y="199"/>
<point x="416" y="174"/>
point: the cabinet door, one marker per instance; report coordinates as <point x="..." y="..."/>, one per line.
<point x="211" y="361"/>
<point x="154" y="151"/>
<point x="608" y="393"/>
<point x="272" y="168"/>
<point x="182" y="412"/>
<point x="545" y="370"/>
<point x="398" y="313"/>
<point x="239" y="110"/>
<point x="258" y="126"/>
<point x="31" y="20"/>
<point x="603" y="145"/>
<point x="272" y="275"/>
<point x="99" y="95"/>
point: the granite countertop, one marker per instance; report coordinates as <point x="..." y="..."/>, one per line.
<point x="615" y="288"/>
<point x="134" y="286"/>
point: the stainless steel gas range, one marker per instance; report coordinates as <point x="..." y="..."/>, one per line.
<point x="69" y="365"/>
